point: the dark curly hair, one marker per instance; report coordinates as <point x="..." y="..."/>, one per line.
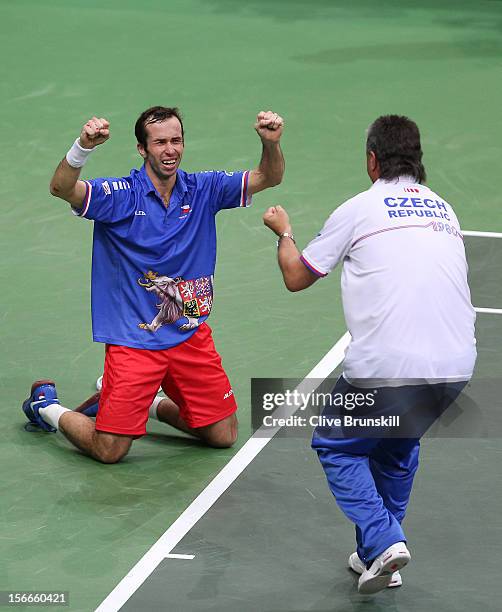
<point x="395" y="141"/>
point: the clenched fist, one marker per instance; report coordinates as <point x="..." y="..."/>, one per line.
<point x="269" y="126"/>
<point x="95" y="132"/>
<point x="277" y="219"/>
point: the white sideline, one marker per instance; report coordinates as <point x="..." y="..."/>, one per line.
<point x="482" y="234"/>
<point x="207" y="498"/>
<point x="489" y="310"/>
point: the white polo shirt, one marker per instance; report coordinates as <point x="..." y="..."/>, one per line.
<point x="405" y="295"/>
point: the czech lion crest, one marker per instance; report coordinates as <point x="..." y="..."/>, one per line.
<point x="178" y="298"/>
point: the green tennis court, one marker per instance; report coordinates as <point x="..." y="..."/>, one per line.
<point x="329" y="67"/>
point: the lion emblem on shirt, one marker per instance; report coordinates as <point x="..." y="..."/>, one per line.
<point x="178" y="298"/>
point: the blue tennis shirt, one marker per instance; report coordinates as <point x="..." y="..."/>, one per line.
<point x="152" y="266"/>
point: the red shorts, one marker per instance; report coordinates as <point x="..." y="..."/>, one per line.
<point x="191" y="374"/>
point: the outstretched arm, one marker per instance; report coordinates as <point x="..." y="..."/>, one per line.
<point x="294" y="272"/>
<point x="269" y="126"/>
<point x="65" y="183"/>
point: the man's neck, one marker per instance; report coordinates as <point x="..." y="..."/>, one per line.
<point x="164" y="187"/>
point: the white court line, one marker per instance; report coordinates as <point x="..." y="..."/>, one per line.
<point x="482" y="234"/>
<point x="489" y="310"/>
<point x="201" y="504"/>
<point x="175" y="556"/>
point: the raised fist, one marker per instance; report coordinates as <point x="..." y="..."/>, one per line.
<point x="269" y="126"/>
<point x="95" y="132"/>
<point x="277" y="219"/>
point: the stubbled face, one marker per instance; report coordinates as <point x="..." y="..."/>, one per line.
<point x="164" y="148"/>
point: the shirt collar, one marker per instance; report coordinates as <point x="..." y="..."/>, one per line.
<point x="180" y="186"/>
<point x="405" y="179"/>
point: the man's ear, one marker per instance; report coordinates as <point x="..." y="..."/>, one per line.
<point x="372" y="161"/>
<point x="141" y="150"/>
<point x="372" y="166"/>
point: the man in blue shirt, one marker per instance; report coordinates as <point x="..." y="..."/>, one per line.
<point x="154" y="253"/>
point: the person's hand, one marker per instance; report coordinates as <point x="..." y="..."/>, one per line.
<point x="95" y="132"/>
<point x="269" y="126"/>
<point x="277" y="219"/>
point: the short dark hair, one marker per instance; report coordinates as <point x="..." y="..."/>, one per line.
<point x="395" y="141"/>
<point x="155" y="114"/>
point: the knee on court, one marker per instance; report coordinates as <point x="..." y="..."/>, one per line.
<point x="222" y="434"/>
<point x="110" y="448"/>
<point x="222" y="441"/>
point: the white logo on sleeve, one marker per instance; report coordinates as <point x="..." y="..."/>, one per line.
<point x="140" y="213"/>
<point x="106" y="188"/>
<point x="120" y="185"/>
<point x="227" y="395"/>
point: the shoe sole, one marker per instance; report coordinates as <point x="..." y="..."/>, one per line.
<point x="384" y="577"/>
<point x="359" y="569"/>
<point x="39" y="383"/>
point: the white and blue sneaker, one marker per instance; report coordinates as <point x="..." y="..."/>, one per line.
<point x="43" y="394"/>
<point x="381" y="571"/>
<point x="358" y="566"/>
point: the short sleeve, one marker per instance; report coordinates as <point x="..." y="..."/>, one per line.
<point x="333" y="242"/>
<point x="228" y="189"/>
<point x="107" y="200"/>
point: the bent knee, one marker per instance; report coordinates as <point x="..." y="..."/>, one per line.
<point x="110" y="455"/>
<point x="222" y="440"/>
<point x="109" y="448"/>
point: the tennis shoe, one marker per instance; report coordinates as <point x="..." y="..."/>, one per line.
<point x="379" y="575"/>
<point x="358" y="566"/>
<point x="43" y="393"/>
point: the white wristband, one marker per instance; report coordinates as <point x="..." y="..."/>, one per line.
<point x="77" y="155"/>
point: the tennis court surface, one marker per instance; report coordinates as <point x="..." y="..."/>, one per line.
<point x="330" y="68"/>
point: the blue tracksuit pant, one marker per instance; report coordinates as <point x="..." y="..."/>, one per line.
<point x="371" y="478"/>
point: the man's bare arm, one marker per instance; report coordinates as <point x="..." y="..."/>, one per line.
<point x="295" y="273"/>
<point x="270" y="170"/>
<point x="65" y="183"/>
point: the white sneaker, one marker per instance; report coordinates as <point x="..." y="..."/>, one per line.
<point x="358" y="566"/>
<point x="379" y="575"/>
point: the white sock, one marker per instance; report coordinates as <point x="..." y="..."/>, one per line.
<point x="51" y="414"/>
<point x="152" y="413"/>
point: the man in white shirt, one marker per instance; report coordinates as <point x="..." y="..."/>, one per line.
<point x="408" y="309"/>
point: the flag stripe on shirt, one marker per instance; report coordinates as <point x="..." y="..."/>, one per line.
<point x="311" y="267"/>
<point x="244" y="190"/>
<point x="389" y="229"/>
<point x="87" y="199"/>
